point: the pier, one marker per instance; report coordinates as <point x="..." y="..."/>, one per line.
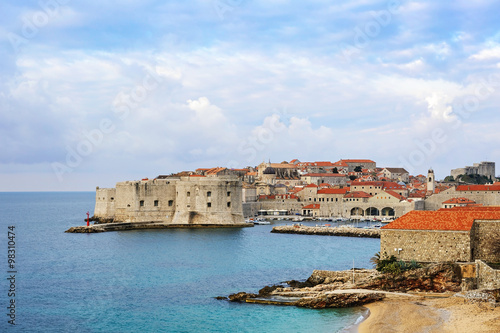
<point x="327" y="231"/>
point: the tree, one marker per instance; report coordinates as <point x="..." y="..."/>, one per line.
<point x="335" y="170"/>
<point x="352" y="177"/>
<point x="449" y="179"/>
<point x="358" y="169"/>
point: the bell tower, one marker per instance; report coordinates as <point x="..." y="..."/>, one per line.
<point x="430" y="181"/>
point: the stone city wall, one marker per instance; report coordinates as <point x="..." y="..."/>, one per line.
<point x="188" y="200"/>
<point x="425" y="245"/>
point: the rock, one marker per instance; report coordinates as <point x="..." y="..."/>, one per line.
<point x="83" y="230"/>
<point x="241" y="297"/>
<point x="268" y="289"/>
<point x="437" y="278"/>
<point x="339" y="300"/>
<point x="221" y="298"/>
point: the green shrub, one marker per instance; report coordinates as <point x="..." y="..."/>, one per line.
<point x="394" y="266"/>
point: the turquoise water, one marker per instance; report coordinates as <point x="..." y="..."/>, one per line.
<point x="159" y="280"/>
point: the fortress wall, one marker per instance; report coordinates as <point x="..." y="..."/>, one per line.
<point x="105" y="202"/>
<point x="208" y="201"/>
<point x="173" y="201"/>
<point x="144" y="201"/>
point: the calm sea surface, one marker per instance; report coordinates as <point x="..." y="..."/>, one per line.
<point x="158" y="280"/>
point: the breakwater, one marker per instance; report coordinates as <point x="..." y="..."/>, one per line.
<point x="123" y="226"/>
<point x="327" y="231"/>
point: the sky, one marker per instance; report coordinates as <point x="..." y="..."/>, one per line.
<point x="93" y="93"/>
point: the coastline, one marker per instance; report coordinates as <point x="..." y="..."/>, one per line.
<point x="451" y="314"/>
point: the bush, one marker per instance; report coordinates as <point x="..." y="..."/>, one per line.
<point x="394" y="266"/>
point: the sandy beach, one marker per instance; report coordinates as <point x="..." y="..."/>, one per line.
<point x="432" y="315"/>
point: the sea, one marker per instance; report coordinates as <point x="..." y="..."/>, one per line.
<point x="156" y="280"/>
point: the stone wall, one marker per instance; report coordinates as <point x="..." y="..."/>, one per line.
<point x="425" y="245"/>
<point x="487" y="277"/>
<point x="487" y="198"/>
<point x="105" y="203"/>
<point x="484" y="234"/>
<point x="319" y="276"/>
<point x="186" y="200"/>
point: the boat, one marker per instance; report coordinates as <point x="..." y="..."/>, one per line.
<point x="261" y="221"/>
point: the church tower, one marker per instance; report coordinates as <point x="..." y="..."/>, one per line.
<point x="430" y="181"/>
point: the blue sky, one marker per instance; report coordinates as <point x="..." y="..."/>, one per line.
<point x="92" y="93"/>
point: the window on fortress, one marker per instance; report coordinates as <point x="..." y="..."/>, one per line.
<point x="209" y="204"/>
<point x="156" y="203"/>
<point x="141" y="203"/>
<point x="188" y="194"/>
<point x="228" y="204"/>
<point x="112" y="198"/>
<point x="170" y="203"/>
<point x="228" y="194"/>
<point x="209" y="194"/>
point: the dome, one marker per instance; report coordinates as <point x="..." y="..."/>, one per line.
<point x="269" y="171"/>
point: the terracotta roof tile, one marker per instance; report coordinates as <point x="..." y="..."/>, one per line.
<point x="459" y="201"/>
<point x="334" y="190"/>
<point x="451" y="220"/>
<point x="358" y="194"/>
<point x="478" y="188"/>
<point x="311" y="206"/>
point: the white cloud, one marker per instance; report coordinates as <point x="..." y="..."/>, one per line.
<point x="487" y="54"/>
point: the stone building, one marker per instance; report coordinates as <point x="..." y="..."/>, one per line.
<point x="396" y="174"/>
<point x="486" y="169"/>
<point x="324" y="178"/>
<point x="487" y="195"/>
<point x="192" y="200"/>
<point x="350" y="164"/>
<point x="446" y="235"/>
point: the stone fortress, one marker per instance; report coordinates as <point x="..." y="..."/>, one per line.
<point x="177" y="201"/>
<point x="486" y="169"/>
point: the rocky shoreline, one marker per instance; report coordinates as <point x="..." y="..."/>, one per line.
<point x="339" y="289"/>
<point x="327" y="231"/>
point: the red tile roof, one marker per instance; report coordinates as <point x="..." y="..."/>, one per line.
<point x="358" y="194"/>
<point x="396" y="195"/>
<point x="382" y="184"/>
<point x="311" y="185"/>
<point x="311" y="206"/>
<point x="459" y="201"/>
<point x="334" y="190"/>
<point x="459" y="220"/>
<point x="478" y="188"/>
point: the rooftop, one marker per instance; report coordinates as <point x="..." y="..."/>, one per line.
<point x="444" y="220"/>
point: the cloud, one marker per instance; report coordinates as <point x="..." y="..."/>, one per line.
<point x="487" y="54"/>
<point x="184" y="88"/>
